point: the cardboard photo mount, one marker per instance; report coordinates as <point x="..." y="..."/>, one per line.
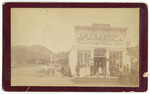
<point x="143" y="45"/>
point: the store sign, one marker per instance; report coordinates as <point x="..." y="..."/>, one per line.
<point x="99" y="38"/>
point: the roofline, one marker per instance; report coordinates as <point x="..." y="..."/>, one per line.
<point x="98" y="27"/>
<point x="71" y="49"/>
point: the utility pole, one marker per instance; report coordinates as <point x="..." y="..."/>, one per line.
<point x="51" y="58"/>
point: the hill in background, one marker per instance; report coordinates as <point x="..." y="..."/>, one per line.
<point x="30" y="54"/>
<point x="37" y="54"/>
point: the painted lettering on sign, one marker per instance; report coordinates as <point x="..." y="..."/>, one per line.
<point x="97" y="38"/>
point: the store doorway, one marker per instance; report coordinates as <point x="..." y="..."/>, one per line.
<point x="100" y="65"/>
<point x="99" y="61"/>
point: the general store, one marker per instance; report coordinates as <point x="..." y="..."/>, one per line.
<point x="101" y="45"/>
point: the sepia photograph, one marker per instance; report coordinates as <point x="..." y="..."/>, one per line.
<point x="81" y="47"/>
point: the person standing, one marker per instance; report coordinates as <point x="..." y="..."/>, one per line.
<point x="66" y="71"/>
<point x="46" y="68"/>
<point x="127" y="68"/>
<point x="91" y="67"/>
<point x="117" y="69"/>
<point x="120" y="75"/>
<point x="49" y="70"/>
<point x="111" y="70"/>
<point x="62" y="70"/>
<point x="132" y="73"/>
<point x="100" y="71"/>
<point x="69" y="71"/>
<point x="78" y="70"/>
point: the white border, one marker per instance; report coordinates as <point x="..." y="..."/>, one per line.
<point x="96" y="1"/>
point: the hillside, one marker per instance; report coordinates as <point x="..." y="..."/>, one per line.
<point x="61" y="58"/>
<point x="30" y="54"/>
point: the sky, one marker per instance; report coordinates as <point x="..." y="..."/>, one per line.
<point x="54" y="28"/>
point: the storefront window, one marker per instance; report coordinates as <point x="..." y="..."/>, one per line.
<point x="83" y="57"/>
<point x="116" y="60"/>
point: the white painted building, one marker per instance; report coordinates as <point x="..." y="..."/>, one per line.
<point x="103" y="44"/>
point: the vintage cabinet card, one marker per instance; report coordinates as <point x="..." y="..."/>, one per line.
<point x="74" y="46"/>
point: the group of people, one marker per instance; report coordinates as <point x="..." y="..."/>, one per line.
<point x="90" y="70"/>
<point x="128" y="76"/>
<point x="124" y="73"/>
<point x="115" y="70"/>
<point x="50" y="70"/>
<point x="65" y="71"/>
<point x="87" y="69"/>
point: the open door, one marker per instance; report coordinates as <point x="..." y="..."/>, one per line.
<point x="100" y="61"/>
